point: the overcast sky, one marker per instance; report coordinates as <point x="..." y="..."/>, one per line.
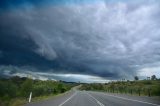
<point x="80" y="40"/>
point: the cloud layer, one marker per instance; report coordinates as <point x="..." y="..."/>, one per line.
<point x="106" y="39"/>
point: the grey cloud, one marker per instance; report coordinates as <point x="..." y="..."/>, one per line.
<point x="101" y="39"/>
<point x="1" y="54"/>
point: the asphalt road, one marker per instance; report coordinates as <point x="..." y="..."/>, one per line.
<point x="89" y="98"/>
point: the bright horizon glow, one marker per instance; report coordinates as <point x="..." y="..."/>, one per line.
<point x="72" y="77"/>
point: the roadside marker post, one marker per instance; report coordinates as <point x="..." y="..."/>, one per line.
<point x="30" y="97"/>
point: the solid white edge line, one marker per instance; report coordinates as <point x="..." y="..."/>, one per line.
<point x="68" y="99"/>
<point x="133" y="100"/>
<point x="98" y="102"/>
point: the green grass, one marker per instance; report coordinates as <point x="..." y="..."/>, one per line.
<point x="22" y="101"/>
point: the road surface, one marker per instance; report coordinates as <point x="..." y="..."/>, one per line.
<point x="89" y="98"/>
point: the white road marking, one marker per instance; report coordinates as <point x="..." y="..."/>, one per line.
<point x="133" y="100"/>
<point x="96" y="100"/>
<point x="68" y="99"/>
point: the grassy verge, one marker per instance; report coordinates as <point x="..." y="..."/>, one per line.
<point x="140" y="88"/>
<point x="15" y="91"/>
<point x="22" y="101"/>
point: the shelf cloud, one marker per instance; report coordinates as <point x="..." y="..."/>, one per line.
<point x="101" y="38"/>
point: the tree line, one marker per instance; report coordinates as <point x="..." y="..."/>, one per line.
<point x="153" y="77"/>
<point x="148" y="87"/>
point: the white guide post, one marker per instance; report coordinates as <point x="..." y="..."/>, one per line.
<point x="30" y="97"/>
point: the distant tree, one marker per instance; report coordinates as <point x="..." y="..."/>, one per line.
<point x="148" y="78"/>
<point x="123" y="79"/>
<point x="38" y="90"/>
<point x="26" y="88"/>
<point x="8" y="89"/>
<point x="136" y="78"/>
<point x="11" y="89"/>
<point x="61" y="88"/>
<point x="153" y="77"/>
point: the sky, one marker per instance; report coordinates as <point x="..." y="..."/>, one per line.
<point x="80" y="40"/>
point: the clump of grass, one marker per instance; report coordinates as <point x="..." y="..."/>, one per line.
<point x="17" y="102"/>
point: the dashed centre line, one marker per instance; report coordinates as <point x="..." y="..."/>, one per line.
<point x="68" y="99"/>
<point x="98" y="102"/>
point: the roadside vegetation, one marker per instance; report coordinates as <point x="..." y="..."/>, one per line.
<point x="147" y="87"/>
<point x="15" y="91"/>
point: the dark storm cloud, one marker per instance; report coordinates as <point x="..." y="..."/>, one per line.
<point x="110" y="40"/>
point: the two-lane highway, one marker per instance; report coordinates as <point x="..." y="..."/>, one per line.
<point x="89" y="98"/>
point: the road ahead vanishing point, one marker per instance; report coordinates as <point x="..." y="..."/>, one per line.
<point x="89" y="98"/>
